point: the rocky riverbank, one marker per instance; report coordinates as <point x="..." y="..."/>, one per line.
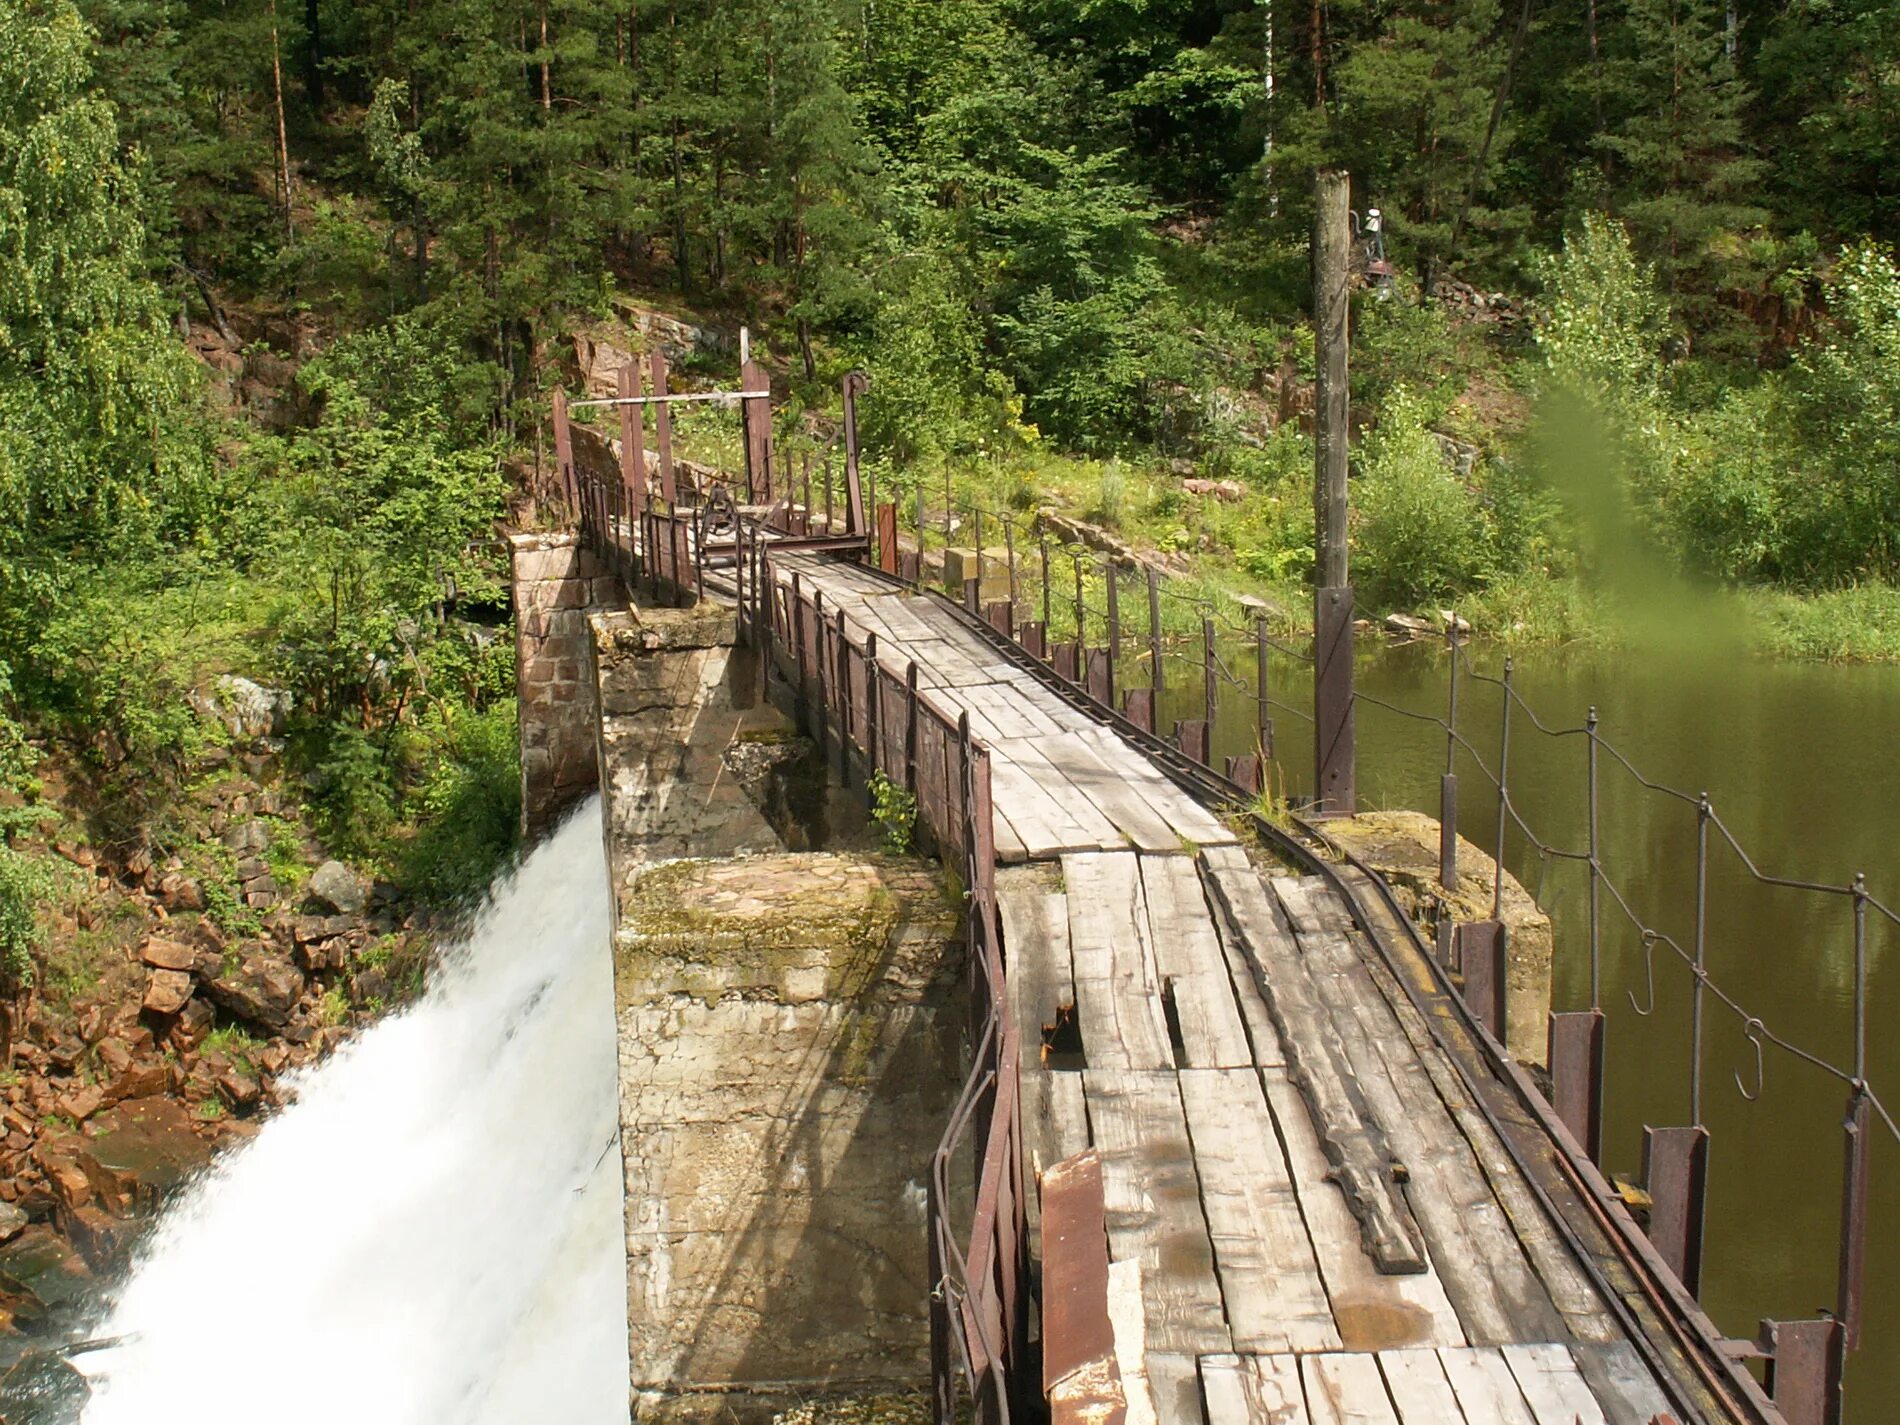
<point x="186" y="981"/>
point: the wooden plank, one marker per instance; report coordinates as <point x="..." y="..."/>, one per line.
<point x="1253" y="1390"/>
<point x="1192" y="822"/>
<point x="1269" y="1277"/>
<point x="1553" y="1386"/>
<point x="1485" y="1387"/>
<point x="1317" y="1063"/>
<point x="1420" y="1392"/>
<point x="1043" y="823"/>
<point x="1624" y="1387"/>
<point x="1499" y="1298"/>
<point x="1154" y="1212"/>
<point x="1346" y="1390"/>
<point x="1175" y="1381"/>
<point x="1127" y="1314"/>
<point x="1576" y="1297"/>
<point x="1371" y="1311"/>
<point x="1094" y="829"/>
<point x="1192" y="966"/>
<point x="1117" y="988"/>
<point x="1122" y="801"/>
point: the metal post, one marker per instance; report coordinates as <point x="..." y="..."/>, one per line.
<point x="887" y="538"/>
<point x="1703" y="814"/>
<point x="1858" y="1146"/>
<point x="663" y="431"/>
<point x="1263" y="703"/>
<point x="806" y="522"/>
<point x="1114" y="628"/>
<point x="1504" y="796"/>
<point x="1209" y="689"/>
<point x="564" y="449"/>
<point x="856" y="383"/>
<point x="1154" y="632"/>
<point x="1576" y="1076"/>
<point x="1676" y="1173"/>
<point x="1045" y="581"/>
<point x="1081" y="636"/>
<point x="1448" y="783"/>
<point x="829" y="527"/>
<point x="633" y="455"/>
<point x="1806" y="1360"/>
<point x="755" y="418"/>
<point x="1009" y="557"/>
<point x="1332" y="304"/>
<point x="847" y="722"/>
<point x="910" y="728"/>
<point x="798" y="652"/>
<point x="1596" y="869"/>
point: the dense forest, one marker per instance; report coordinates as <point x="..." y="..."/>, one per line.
<point x="1640" y="316"/>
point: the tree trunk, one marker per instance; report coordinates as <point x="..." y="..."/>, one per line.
<point x="283" y="133"/>
<point x="1319" y="57"/>
<point x="547" y="86"/>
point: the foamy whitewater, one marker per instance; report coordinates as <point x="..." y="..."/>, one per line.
<point x="431" y="1233"/>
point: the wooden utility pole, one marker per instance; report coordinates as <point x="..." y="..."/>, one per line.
<point x="1333" y="789"/>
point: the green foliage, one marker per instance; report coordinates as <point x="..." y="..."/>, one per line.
<point x="467" y="804"/>
<point x="1420" y="534"/>
<point x="25" y="884"/>
<point x="895" y="810"/>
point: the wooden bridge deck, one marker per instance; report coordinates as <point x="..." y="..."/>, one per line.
<point x="1308" y="1220"/>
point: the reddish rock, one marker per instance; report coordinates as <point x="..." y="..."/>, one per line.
<point x="79" y="1104"/>
<point x="114" y="1057"/>
<point x="167" y="991"/>
<point x="194" y="1022"/>
<point x="240" y="1090"/>
<point x="64" y="1177"/>
<point x="181" y="892"/>
<point x="103" y="1240"/>
<point x="167" y="954"/>
<point x="262" y="990"/>
<point x="142" y="1079"/>
<point x="138" y="1152"/>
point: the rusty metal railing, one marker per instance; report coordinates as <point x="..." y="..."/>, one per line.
<point x="845" y="695"/>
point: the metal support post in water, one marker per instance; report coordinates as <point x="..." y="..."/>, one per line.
<point x="1210" y="691"/>
<point x="1263" y="704"/>
<point x="1806" y="1360"/>
<point x="1154" y="634"/>
<point x="1676" y="1173"/>
<point x="1859" y="1147"/>
<point x="1576" y="1076"/>
<point x="1081" y="636"/>
<point x="1114" y="628"/>
<point x="1045" y="582"/>
<point x="1448" y="783"/>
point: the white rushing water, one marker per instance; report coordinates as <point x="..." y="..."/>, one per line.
<point x="431" y="1234"/>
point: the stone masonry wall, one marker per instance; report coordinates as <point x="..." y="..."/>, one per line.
<point x="556" y="582"/>
<point x="789" y="1053"/>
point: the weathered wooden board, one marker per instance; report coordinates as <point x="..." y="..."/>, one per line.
<point x="1175" y="1381"/>
<point x="1372" y="1311"/>
<point x="1105" y="782"/>
<point x="1486" y="1389"/>
<point x="1499" y="1298"/>
<point x="1346" y="1390"/>
<point x="1553" y="1386"/>
<point x="1192" y="966"/>
<point x="1624" y="1387"/>
<point x="1154" y="1212"/>
<point x="1269" y="1277"/>
<point x="1253" y="1390"/>
<point x="1117" y="988"/>
<point x="1420" y="1393"/>
<point x="1317" y="1063"/>
<point x="1046" y="825"/>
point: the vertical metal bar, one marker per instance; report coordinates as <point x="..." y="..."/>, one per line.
<point x="800" y="706"/>
<point x="633" y="456"/>
<point x="1806" y="1360"/>
<point x="856" y="383"/>
<point x="1596" y="868"/>
<point x="829" y="529"/>
<point x="1114" y="627"/>
<point x="1448" y="783"/>
<point x="976" y="539"/>
<point x="663" y="430"/>
<point x="1155" y="676"/>
<point x="1504" y="794"/>
<point x="1045" y="581"/>
<point x="1263" y="704"/>
<point x="806" y="460"/>
<point x="887" y="538"/>
<point x="1676" y="1173"/>
<point x="871" y="728"/>
<point x="1576" y="1076"/>
<point x="841" y="681"/>
<point x="1210" y="691"/>
<point x="910" y="727"/>
<point x="1081" y="637"/>
<point x="1850" y="1288"/>
<point x="1701" y="958"/>
<point x="1009" y="558"/>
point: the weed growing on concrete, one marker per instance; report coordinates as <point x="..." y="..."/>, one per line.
<point x="895" y="810"/>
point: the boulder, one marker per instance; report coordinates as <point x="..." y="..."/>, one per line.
<point x="243" y="708"/>
<point x="340" y="888"/>
<point x="167" y="954"/>
<point x="12" y="1221"/>
<point x="137" y="1153"/>
<point x="263" y="990"/>
<point x="247" y="838"/>
<point x="167" y="991"/>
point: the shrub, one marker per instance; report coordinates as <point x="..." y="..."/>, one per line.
<point x="24" y="884"/>
<point x="1420" y="533"/>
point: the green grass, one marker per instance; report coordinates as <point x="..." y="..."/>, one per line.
<point x="236" y="1043"/>
<point x="1856" y="625"/>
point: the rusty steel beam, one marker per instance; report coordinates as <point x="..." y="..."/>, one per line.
<point x="1806" y="1360"/>
<point x="1576" y="1074"/>
<point x="1334" y="792"/>
<point x="1080" y="1373"/>
<point x="1138" y="706"/>
<point x="1480" y="951"/>
<point x="1676" y="1174"/>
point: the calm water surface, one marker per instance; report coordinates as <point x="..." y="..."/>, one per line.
<point x="1802" y="762"/>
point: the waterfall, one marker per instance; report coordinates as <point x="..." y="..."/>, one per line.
<point x="431" y="1233"/>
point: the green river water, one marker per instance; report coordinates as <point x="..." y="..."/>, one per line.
<point x="1802" y="762"/>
